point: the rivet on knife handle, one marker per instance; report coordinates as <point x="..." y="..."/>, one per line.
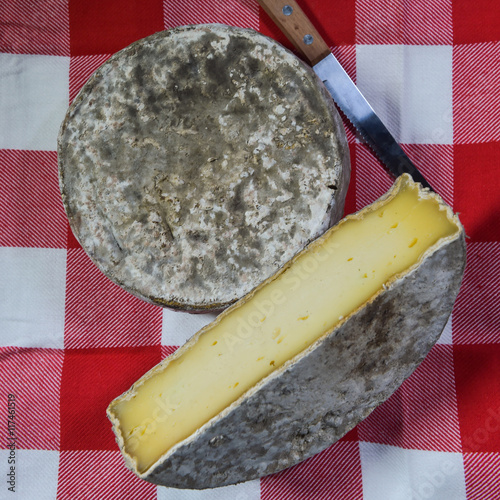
<point x="298" y="29"/>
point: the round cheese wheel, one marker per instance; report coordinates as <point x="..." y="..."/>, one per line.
<point x="196" y="162"/>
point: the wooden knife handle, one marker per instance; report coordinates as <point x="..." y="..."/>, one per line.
<point x="292" y="21"/>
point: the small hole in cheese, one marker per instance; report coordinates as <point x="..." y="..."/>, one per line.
<point x="413" y="242"/>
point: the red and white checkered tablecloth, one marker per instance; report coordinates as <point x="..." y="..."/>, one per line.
<point x="71" y="341"/>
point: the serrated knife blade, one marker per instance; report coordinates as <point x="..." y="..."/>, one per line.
<point x="299" y="30"/>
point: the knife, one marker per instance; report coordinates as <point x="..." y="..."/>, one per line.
<point x="300" y="31"/>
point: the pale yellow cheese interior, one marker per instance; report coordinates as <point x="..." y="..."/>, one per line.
<point x="330" y="280"/>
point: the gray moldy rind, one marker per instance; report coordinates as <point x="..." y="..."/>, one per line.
<point x="317" y="397"/>
<point x="197" y="161"/>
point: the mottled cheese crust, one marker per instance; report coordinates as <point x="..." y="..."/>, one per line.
<point x="315" y="297"/>
<point x="197" y="161"/>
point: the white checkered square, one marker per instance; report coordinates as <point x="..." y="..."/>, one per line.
<point x="446" y="335"/>
<point x="35" y="474"/>
<point x="244" y="491"/>
<point x="391" y="473"/>
<point x="177" y="327"/>
<point x="410" y="88"/>
<point x="29" y="315"/>
<point x="34" y="94"/>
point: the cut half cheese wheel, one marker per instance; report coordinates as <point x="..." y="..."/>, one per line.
<point x="197" y="161"/>
<point x="298" y="362"/>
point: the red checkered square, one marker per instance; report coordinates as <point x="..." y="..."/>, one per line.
<point x="80" y="70"/>
<point x="476" y="316"/>
<point x="28" y="28"/>
<point x="334" y="474"/>
<point x="71" y="240"/>
<point x="477" y="188"/>
<point x="435" y="161"/>
<point x="31" y="210"/>
<point x="335" y="22"/>
<point x="476" y="99"/>
<point x="99" y="474"/>
<point x="352" y="435"/>
<point x="422" y="414"/>
<point x="242" y="13"/>
<point x="106" y="26"/>
<point x="478" y="395"/>
<point x="92" y="378"/>
<point x="475" y="22"/>
<point x="101" y="314"/>
<point x="482" y="475"/>
<point x="346" y="55"/>
<point x="423" y="22"/>
<point x="33" y="376"/>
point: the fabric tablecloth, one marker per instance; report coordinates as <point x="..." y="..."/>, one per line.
<point x="71" y="341"/>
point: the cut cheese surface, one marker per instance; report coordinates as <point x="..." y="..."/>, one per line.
<point x="326" y="283"/>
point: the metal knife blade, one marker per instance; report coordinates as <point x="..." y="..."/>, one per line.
<point x="299" y="30"/>
<point x="357" y="109"/>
